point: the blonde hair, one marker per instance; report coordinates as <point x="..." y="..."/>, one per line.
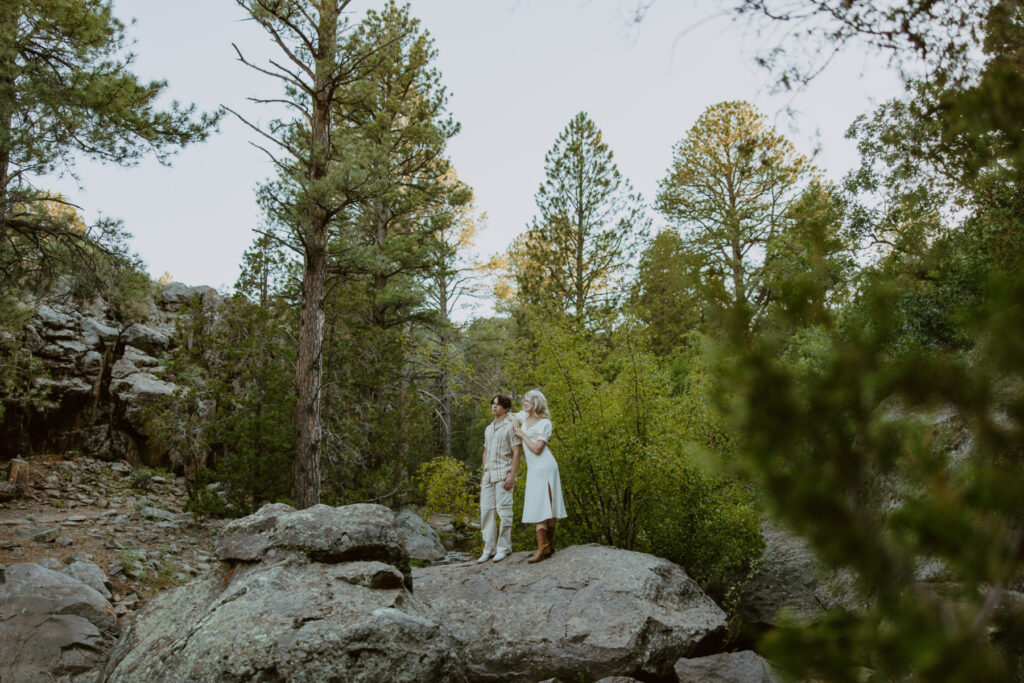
<point x="540" y="404"/>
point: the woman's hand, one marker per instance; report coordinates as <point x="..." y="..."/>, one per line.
<point x="510" y="482"/>
<point x="517" y="430"/>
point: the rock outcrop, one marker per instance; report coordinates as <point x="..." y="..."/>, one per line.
<point x="420" y="539"/>
<point x="52" y="626"/>
<point x="589" y="610"/>
<point x="103" y="373"/>
<point x="311" y="595"/>
<point x="791" y="577"/>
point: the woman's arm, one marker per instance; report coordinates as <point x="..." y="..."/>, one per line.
<point x="536" y="446"/>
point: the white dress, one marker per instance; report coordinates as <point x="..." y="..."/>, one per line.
<point x="541" y="478"/>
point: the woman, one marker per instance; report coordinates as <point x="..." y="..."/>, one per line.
<point x="543" y="504"/>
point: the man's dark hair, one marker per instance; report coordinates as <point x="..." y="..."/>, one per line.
<point x="503" y="401"/>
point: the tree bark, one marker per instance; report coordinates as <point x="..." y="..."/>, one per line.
<point x="17" y="472"/>
<point x="309" y="361"/>
<point x="8" y="55"/>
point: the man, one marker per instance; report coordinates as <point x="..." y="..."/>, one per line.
<point x="500" y="466"/>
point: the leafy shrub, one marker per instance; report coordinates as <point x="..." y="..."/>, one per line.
<point x="448" y="488"/>
<point x="624" y="451"/>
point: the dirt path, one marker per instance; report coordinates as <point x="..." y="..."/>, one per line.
<point x="129" y="523"/>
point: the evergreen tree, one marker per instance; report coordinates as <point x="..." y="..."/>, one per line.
<point x="887" y="431"/>
<point x="317" y="181"/>
<point x="66" y="89"/>
<point x="731" y="183"/>
<point x="675" y="291"/>
<point x="396" y="119"/>
<point x="586" y="232"/>
<point x="450" y="278"/>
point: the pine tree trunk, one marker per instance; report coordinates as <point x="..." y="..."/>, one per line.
<point x="309" y="361"/>
<point x="8" y="28"/>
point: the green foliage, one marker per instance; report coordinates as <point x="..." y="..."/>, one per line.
<point x="674" y="292"/>
<point x="22" y="377"/>
<point x="66" y="89"/>
<point x="731" y="183"/>
<point x="849" y="454"/>
<point x="447" y="488"/>
<point x="624" y="451"/>
<point x="230" y="420"/>
<point x="588" y="225"/>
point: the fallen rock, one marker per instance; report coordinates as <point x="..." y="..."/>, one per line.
<point x="418" y="537"/>
<point x="89" y="574"/>
<point x="589" y="611"/>
<point x="729" y="667"/>
<point x="38" y="534"/>
<point x="300" y="595"/>
<point x="52" y="626"/>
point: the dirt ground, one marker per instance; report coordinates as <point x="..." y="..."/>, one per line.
<point x="128" y="522"/>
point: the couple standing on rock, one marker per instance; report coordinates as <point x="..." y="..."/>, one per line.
<point x="504" y="439"/>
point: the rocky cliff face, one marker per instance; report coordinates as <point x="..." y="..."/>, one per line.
<point x="102" y="375"/>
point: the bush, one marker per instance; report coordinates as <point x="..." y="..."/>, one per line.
<point x="624" y="449"/>
<point x="448" y="488"/>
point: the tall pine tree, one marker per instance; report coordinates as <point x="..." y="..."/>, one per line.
<point x="588" y="225"/>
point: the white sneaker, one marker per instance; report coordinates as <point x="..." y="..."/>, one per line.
<point x="483" y="558"/>
<point x="499" y="556"/>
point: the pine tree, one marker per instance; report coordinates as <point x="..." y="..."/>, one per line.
<point x="66" y="89"/>
<point x="324" y="61"/>
<point x="588" y="225"/>
<point x="732" y="180"/>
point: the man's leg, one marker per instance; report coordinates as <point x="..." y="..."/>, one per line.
<point x="487" y="514"/>
<point x="504" y="504"/>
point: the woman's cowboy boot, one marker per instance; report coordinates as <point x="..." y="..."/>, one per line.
<point x="551" y="534"/>
<point x="543" y="547"/>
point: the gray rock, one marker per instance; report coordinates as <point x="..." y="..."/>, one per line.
<point x="323" y="533"/>
<point x="147" y="338"/>
<point x="72" y="347"/>
<point x="53" y="318"/>
<point x="90" y="362"/>
<point x="729" y="667"/>
<point x="158" y="514"/>
<point x="137" y="391"/>
<point x="419" y="538"/>
<point x="93" y="329"/>
<point x="138" y="357"/>
<point x="71" y="386"/>
<point x="179" y="292"/>
<point x="308" y="606"/>
<point x="38" y="534"/>
<point x="588" y="610"/>
<point x="89" y="574"/>
<point x="791" y="577"/>
<point x="52" y="626"/>
<point x="33" y="340"/>
<point x="122" y="368"/>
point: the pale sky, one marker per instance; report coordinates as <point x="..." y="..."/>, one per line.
<point x="517" y="71"/>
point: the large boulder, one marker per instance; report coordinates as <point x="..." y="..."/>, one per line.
<point x="791" y="577"/>
<point x="308" y="595"/>
<point x="418" y="537"/>
<point x="589" y="611"/>
<point x="728" y="667"/>
<point x="52" y="626"/>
